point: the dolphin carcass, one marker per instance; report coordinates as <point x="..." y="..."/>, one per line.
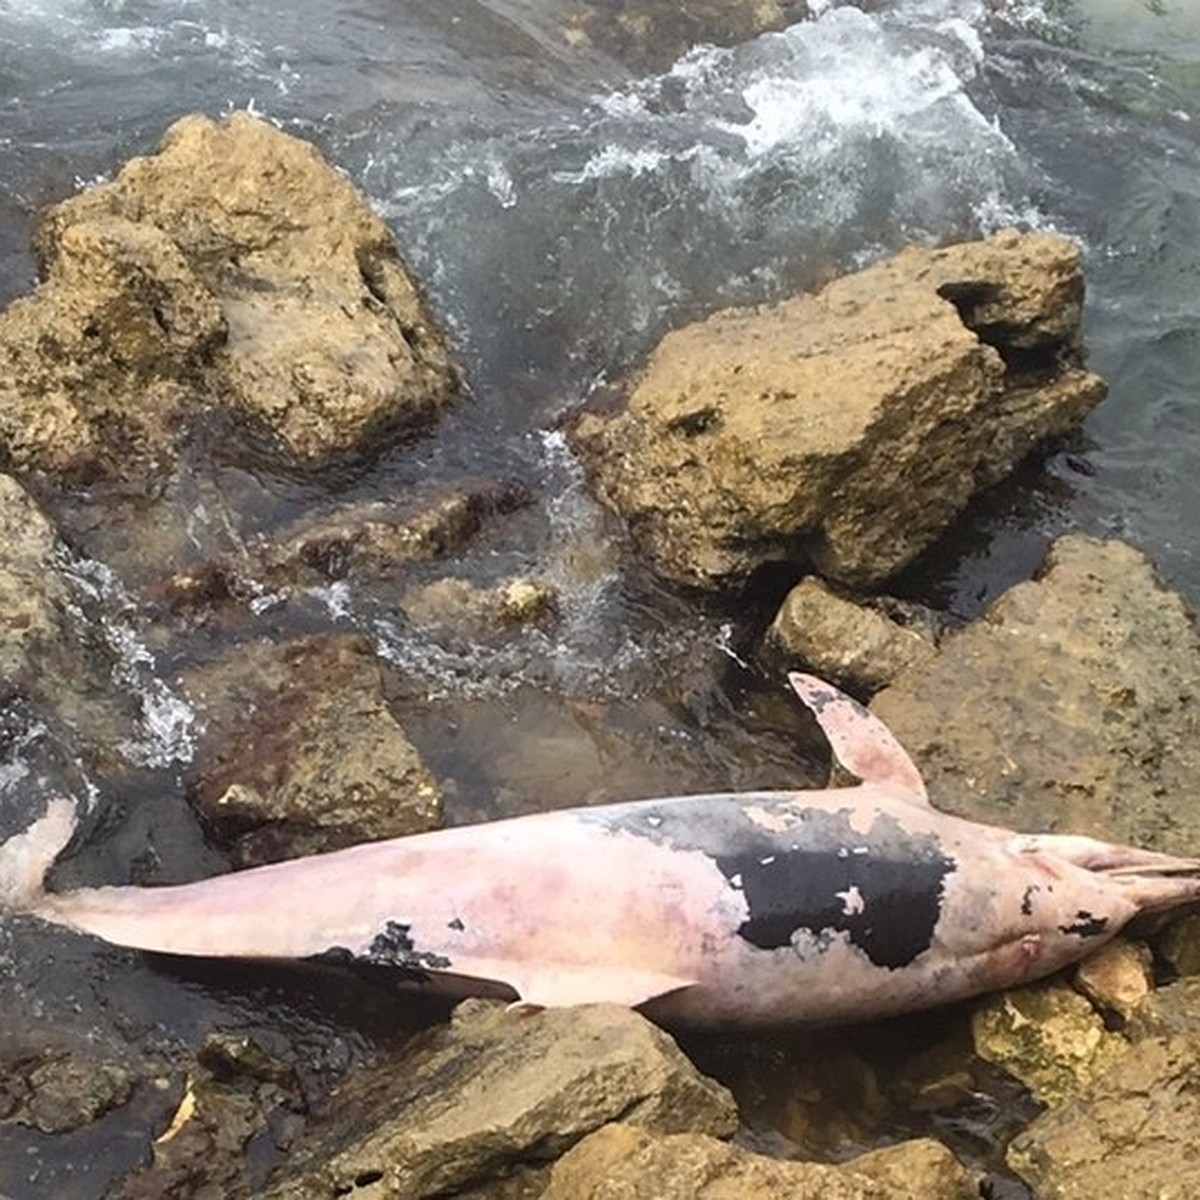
<point x="742" y="909"/>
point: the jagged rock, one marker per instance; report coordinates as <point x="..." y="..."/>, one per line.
<point x="496" y="1090"/>
<point x="619" y="1161"/>
<point x="233" y="270"/>
<point x="1048" y="1036"/>
<point x="1131" y="1132"/>
<point x="301" y="752"/>
<point x="849" y="427"/>
<point x="1117" y="977"/>
<point x="853" y="644"/>
<point x="1070" y="706"/>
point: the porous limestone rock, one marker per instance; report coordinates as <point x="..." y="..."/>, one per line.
<point x="1131" y="1132"/>
<point x="1047" y="1036"/>
<point x="234" y="272"/>
<point x="619" y="1161"/>
<point x="496" y="1090"/>
<point x="1070" y="706"/>
<point x="849" y="427"/>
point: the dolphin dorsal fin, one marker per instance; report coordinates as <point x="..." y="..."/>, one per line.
<point x="861" y="742"/>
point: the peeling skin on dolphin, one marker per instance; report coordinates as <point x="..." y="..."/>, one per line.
<point x="729" y="909"/>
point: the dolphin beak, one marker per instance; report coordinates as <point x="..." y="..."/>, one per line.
<point x="1106" y="858"/>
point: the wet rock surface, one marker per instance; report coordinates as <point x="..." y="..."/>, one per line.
<point x="1075" y="704"/>
<point x="734" y="448"/>
<point x="236" y="1106"/>
<point x="232" y="272"/>
<point x="301" y="752"/>
<point x="495" y="1090"/>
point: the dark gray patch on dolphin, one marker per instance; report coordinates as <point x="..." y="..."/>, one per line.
<point x="1085" y="925"/>
<point x="883" y="888"/>
<point x="394" y="948"/>
<point x="341" y="956"/>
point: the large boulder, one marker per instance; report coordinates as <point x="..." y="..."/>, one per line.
<point x="1070" y="706"/>
<point x="849" y="427"/>
<point x="496" y="1090"/>
<point x="233" y="270"/>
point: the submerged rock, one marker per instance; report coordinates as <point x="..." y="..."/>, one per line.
<point x="619" y="1161"/>
<point x="495" y="1090"/>
<point x="1070" y="706"/>
<point x="846" y="428"/>
<point x="459" y="607"/>
<point x="648" y="35"/>
<point x="233" y="271"/>
<point x="854" y="644"/>
<point x="301" y="752"/>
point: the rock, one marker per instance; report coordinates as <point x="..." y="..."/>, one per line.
<point x="1117" y="977"/>
<point x="494" y="1090"/>
<point x="101" y="361"/>
<point x="1179" y="945"/>
<point x="1048" y="1036"/>
<point x="647" y="35"/>
<point x="846" y="428"/>
<point x="1070" y="706"/>
<point x="236" y="1097"/>
<point x="376" y="536"/>
<point x="32" y="594"/>
<point x="232" y="270"/>
<point x="460" y="607"/>
<point x="63" y="1092"/>
<point x="618" y="1161"/>
<point x="921" y="1167"/>
<point x="1167" y="1011"/>
<point x="301" y="752"/>
<point x="853" y="644"/>
<point x="1131" y="1132"/>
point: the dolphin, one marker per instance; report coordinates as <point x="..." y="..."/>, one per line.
<point x="730" y="909"/>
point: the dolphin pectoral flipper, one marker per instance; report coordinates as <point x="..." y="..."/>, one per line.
<point x="861" y="742"/>
<point x="554" y="986"/>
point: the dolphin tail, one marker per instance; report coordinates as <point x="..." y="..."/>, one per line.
<point x="26" y="857"/>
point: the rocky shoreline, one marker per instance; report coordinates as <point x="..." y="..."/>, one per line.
<point x="233" y="299"/>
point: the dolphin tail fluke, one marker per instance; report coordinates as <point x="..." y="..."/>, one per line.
<point x="26" y="857"/>
<point x="861" y="742"/>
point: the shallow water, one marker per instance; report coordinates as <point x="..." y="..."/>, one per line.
<point x="563" y="210"/>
